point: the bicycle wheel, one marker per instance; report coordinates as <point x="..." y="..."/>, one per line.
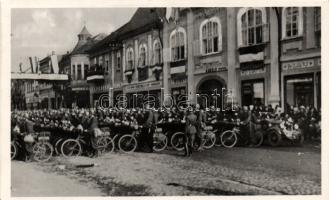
<point x="13" y="151"/>
<point x="160" y="142"/>
<point x="71" y="147"/>
<point x="177" y="141"/>
<point x="104" y="144"/>
<point x="42" y="151"/>
<point x="210" y="139"/>
<point x="228" y="139"/>
<point x="127" y="143"/>
<point x="259" y="138"/>
<point x="58" y="145"/>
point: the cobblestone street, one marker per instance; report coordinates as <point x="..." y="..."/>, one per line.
<point x="219" y="171"/>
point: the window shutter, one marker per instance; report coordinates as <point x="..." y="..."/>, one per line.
<point x="266" y="33"/>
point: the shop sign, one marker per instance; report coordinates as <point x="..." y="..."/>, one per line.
<point x="301" y="64"/>
<point x="253" y="72"/>
<point x="210" y="67"/>
<point x="145" y="86"/>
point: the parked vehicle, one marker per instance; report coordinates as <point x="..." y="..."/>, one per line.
<point x="279" y="131"/>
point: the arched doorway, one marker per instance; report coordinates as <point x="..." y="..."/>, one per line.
<point x="210" y="92"/>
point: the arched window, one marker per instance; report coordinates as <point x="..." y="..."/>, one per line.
<point x="130" y="58"/>
<point x="250" y="26"/>
<point x="178" y="44"/>
<point x="157" y="55"/>
<point x="292" y="22"/>
<point x="142" y="55"/>
<point x="118" y="61"/>
<point x="210" y="36"/>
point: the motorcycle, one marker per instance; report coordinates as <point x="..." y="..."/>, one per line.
<point x="284" y="130"/>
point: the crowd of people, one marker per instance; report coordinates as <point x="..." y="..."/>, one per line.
<point x="195" y="117"/>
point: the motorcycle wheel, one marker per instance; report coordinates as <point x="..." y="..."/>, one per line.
<point x="160" y="143"/>
<point x="127" y="143"/>
<point x="229" y="139"/>
<point x="274" y="138"/>
<point x="259" y="138"/>
<point x="71" y="147"/>
<point x="177" y="141"/>
<point x="210" y="139"/>
<point x="13" y="151"/>
<point x="42" y="151"/>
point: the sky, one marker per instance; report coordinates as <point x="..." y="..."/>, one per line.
<point x="38" y="32"/>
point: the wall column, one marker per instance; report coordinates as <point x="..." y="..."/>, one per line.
<point x="166" y="60"/>
<point x="136" y="58"/>
<point x="76" y="71"/>
<point x="232" y="63"/>
<point x="82" y="71"/>
<point x="190" y="59"/>
<point x="123" y="60"/>
<point x="274" y="98"/>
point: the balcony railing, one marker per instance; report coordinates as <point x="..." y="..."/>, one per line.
<point x="95" y="74"/>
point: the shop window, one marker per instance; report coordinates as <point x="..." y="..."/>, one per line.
<point x="210" y="31"/>
<point x="292" y="24"/>
<point x="177" y="94"/>
<point x="299" y="90"/>
<point x="253" y="92"/>
<point x="178" y="44"/>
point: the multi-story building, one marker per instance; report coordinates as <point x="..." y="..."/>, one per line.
<point x="79" y="61"/>
<point x="213" y="56"/>
<point x="258" y="55"/>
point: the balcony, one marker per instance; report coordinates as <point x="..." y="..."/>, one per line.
<point x="95" y="74"/>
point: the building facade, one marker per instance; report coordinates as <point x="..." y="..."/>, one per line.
<point x="247" y="56"/>
<point x="210" y="56"/>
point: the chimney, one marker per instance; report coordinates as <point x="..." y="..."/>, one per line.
<point x="53" y="53"/>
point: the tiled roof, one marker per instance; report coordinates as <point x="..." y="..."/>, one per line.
<point x="89" y="44"/>
<point x="141" y="21"/>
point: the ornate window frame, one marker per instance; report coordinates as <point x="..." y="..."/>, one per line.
<point x="214" y="19"/>
<point x="239" y="22"/>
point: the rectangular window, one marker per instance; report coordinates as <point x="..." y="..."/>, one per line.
<point x="73" y="72"/>
<point x="292" y="17"/>
<point x="317" y="18"/>
<point x="79" y="72"/>
<point x="86" y="70"/>
<point x="118" y="62"/>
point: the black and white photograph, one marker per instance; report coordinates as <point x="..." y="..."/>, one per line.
<point x="165" y="101"/>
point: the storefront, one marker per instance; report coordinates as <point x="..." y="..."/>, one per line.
<point x="137" y="95"/>
<point x="253" y="92"/>
<point x="254" y="86"/>
<point x="302" y="83"/>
